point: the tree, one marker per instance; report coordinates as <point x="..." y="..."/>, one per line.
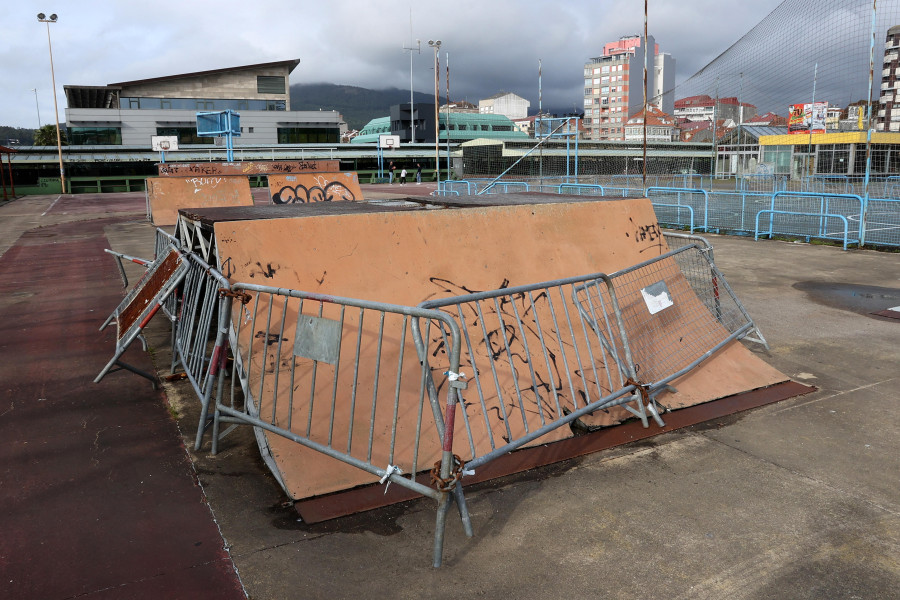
<point x="46" y="136"/>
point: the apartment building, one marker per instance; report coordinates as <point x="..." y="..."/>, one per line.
<point x="888" y="116"/>
<point x="613" y="86"/>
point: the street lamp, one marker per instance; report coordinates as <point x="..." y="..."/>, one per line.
<point x="436" y="44"/>
<point x="42" y="18"/>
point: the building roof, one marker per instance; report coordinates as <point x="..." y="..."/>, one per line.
<point x="654" y="117"/>
<point x="290" y="64"/>
<point x="106" y="96"/>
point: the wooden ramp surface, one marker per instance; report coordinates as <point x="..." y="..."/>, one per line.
<point x="167" y="195"/>
<point x="412" y="256"/>
<point x="314" y="187"/>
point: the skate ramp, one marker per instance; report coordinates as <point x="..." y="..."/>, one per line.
<point x="411" y="257"/>
<point x="314" y="187"/>
<point x="264" y="167"/>
<point x="167" y="195"/>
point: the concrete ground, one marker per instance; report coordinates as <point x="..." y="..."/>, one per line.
<point x="798" y="499"/>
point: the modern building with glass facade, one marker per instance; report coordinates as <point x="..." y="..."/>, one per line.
<point x="129" y="113"/>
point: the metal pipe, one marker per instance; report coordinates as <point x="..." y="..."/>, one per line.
<point x="436" y="45"/>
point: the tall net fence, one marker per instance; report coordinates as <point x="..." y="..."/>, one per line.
<point x="787" y="108"/>
<point x="805" y="52"/>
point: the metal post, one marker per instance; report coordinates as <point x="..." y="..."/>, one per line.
<point x="539" y="132"/>
<point x="62" y="172"/>
<point x="412" y="112"/>
<point x="865" y="206"/>
<point x="447" y="121"/>
<point x="811" y="166"/>
<point x="37" y="106"/>
<point x="436" y="45"/>
<point x="740" y="170"/>
<point x="646" y="50"/>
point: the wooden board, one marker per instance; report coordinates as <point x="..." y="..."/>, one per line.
<point x="263" y="167"/>
<point x="318" y="187"/>
<point x="408" y="257"/>
<point x="167" y="195"/>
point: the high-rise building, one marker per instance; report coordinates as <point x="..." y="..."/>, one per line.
<point x="613" y="86"/>
<point x="888" y="118"/>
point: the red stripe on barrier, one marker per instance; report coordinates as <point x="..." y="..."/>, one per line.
<point x="448" y="427"/>
<point x="149" y="316"/>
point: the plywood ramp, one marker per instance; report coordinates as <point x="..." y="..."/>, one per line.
<point x="409" y="257"/>
<point x="262" y="167"/>
<point x="314" y="187"/>
<point x="167" y="195"/>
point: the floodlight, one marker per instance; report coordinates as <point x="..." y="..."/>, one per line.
<point x="41" y="16"/>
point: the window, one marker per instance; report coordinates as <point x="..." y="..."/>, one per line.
<point x="95" y="136"/>
<point x="308" y="135"/>
<point x="186" y="135"/>
<point x="267" y="84"/>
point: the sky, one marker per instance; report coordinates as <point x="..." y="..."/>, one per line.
<point x="493" y="45"/>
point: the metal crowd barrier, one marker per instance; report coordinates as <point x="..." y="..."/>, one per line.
<point x="328" y="373"/>
<point x="823" y="231"/>
<point x="376" y="386"/>
<point x="543" y="355"/>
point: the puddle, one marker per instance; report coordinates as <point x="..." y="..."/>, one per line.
<point x="861" y="299"/>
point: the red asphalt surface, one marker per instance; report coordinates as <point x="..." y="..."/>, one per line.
<point x="98" y="495"/>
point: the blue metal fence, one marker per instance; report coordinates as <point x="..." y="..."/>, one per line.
<point x="821" y="209"/>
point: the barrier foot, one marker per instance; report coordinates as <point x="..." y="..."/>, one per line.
<point x="123" y="366"/>
<point x="439" y="526"/>
<point x="463" y="509"/>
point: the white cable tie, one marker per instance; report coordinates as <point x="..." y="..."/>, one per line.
<point x="452" y="376"/>
<point x="391" y="469"/>
<point x="469" y="472"/>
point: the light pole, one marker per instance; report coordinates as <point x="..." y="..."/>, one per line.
<point x="37" y="106"/>
<point x="412" y="121"/>
<point x="436" y="44"/>
<point x="62" y="174"/>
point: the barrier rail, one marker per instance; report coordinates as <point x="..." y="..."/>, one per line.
<point x="505" y="185"/>
<point x="148" y="296"/>
<point x="579" y="187"/>
<point x="678" y="192"/>
<point x="825" y="208"/>
<point x="678" y="208"/>
<point x="823" y="234"/>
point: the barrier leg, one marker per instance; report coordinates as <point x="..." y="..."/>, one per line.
<point x="463" y="509"/>
<point x="439" y="526"/>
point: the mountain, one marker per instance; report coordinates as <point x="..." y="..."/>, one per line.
<point x="357" y="105"/>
